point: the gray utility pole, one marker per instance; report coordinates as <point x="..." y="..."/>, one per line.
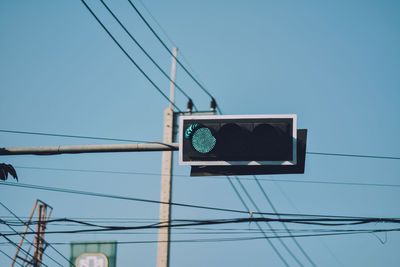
<point x="164" y="233"/>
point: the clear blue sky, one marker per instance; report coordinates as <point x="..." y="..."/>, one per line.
<point x="336" y="64"/>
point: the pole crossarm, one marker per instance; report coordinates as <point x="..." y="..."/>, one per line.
<point x="56" y="150"/>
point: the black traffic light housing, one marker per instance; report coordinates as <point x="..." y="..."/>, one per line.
<point x="298" y="168"/>
<point x="221" y="140"/>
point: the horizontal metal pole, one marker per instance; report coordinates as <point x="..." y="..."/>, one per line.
<point x="55" y="150"/>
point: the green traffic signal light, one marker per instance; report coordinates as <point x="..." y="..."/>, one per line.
<point x="202" y="139"/>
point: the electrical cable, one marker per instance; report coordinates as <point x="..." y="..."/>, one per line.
<point x="58" y="252"/>
<point x="158" y="24"/>
<point x="284" y="225"/>
<point x="115" y="196"/>
<point x="225" y="231"/>
<point x="258" y="225"/>
<point x="10" y="220"/>
<point x="170" y="40"/>
<point x="268" y="224"/>
<point x="295" y="208"/>
<point x="63" y="190"/>
<point x="331" y="182"/>
<point x="29" y="250"/>
<point x="324" y="221"/>
<point x="145" y="52"/>
<point x="218" y="231"/>
<point x="258" y="210"/>
<point x="129" y="57"/>
<point x="14" y="244"/>
<point x="209" y="177"/>
<point x="174" y="44"/>
<point x="166" y="48"/>
<point x="269" y="237"/>
<point x="185" y="223"/>
<point x="105" y="224"/>
<point x="1" y="251"/>
<point x="27" y="253"/>
<point x="245" y="238"/>
<point x="352" y="155"/>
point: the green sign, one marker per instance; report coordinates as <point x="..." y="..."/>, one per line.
<point x="94" y="254"/>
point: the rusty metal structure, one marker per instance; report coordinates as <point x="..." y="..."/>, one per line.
<point x="43" y="215"/>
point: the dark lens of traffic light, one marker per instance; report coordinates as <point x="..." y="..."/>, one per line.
<point x="269" y="141"/>
<point x="232" y="141"/>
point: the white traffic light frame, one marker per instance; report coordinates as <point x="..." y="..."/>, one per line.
<point x="293" y="117"/>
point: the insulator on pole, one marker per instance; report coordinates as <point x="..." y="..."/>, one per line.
<point x="189" y="105"/>
<point x="213" y="104"/>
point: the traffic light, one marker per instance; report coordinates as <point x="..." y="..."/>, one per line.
<point x="238" y="140"/>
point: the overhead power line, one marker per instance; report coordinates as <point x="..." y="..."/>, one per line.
<point x="216" y="240"/>
<point x="330" y="182"/>
<point x="272" y="206"/>
<point x="144" y="51"/>
<point x="170" y="40"/>
<point x="231" y="239"/>
<point x="328" y="222"/>
<point x="167" y="49"/>
<point x="79" y="192"/>
<point x="325" y="180"/>
<point x="276" y="211"/>
<point x="8" y="256"/>
<point x="115" y="196"/>
<point x="217" y="231"/>
<point x="268" y="224"/>
<point x="205" y="230"/>
<point x="24" y="250"/>
<point x="186" y="223"/>
<point x="321" y="241"/>
<point x="128" y="56"/>
<point x="352" y="155"/>
<point x="158" y="24"/>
